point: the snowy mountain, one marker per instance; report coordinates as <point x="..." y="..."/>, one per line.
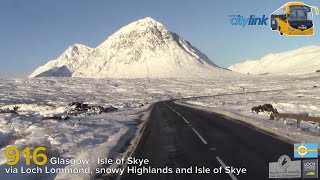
<point x="299" y="61"/>
<point x="66" y="63"/>
<point x="144" y="48"/>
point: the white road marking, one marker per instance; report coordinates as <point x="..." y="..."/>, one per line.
<point x="194" y="130"/>
<point x="172" y="109"/>
<point x="204" y="142"/>
<point x="185" y="120"/>
<point x="224" y="166"/>
<point x="202" y="139"/>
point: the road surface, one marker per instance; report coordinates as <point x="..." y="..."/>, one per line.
<point x="177" y="136"/>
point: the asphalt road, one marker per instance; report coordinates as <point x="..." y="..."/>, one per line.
<point x="178" y="136"/>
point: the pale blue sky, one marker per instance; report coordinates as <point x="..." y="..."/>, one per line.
<point x="35" y="31"/>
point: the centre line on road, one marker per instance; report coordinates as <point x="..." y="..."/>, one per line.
<point x="202" y="139"/>
<point x="233" y="177"/>
<point x="224" y="166"/>
<point x="185" y="120"/>
<point x="172" y="109"/>
<point x="194" y="130"/>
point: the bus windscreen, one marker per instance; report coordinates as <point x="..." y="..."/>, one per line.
<point x="300" y="13"/>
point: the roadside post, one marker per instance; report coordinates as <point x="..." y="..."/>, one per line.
<point x="245" y="98"/>
<point x="179" y="96"/>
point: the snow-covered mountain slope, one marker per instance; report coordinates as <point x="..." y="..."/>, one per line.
<point x="299" y="61"/>
<point x="144" y="48"/>
<point x="66" y="63"/>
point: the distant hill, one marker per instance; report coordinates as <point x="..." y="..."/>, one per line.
<point x="299" y="61"/>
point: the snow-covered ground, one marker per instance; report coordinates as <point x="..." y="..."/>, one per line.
<point x="105" y="135"/>
<point x="84" y="136"/>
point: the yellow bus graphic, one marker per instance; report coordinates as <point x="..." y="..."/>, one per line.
<point x="293" y="19"/>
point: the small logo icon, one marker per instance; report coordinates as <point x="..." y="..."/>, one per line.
<point x="284" y="161"/>
<point x="285" y="168"/>
<point x="310" y="168"/>
<point x="306" y="150"/>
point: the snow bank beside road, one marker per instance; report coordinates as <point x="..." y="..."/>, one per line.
<point x="76" y="138"/>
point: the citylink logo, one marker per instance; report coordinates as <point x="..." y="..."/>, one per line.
<point x="305" y="150"/>
<point x="238" y="20"/>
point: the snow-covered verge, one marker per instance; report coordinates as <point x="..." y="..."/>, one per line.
<point x="131" y="148"/>
<point x="76" y="138"/>
<point x="37" y="121"/>
<point x="106" y="134"/>
<point x="238" y="106"/>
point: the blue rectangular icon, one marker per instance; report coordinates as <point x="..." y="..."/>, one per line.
<point x="305" y="150"/>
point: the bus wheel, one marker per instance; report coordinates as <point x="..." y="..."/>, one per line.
<point x="281" y="33"/>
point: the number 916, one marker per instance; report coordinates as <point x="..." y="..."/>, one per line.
<point x="13" y="156"/>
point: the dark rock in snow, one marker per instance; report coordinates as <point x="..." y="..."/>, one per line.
<point x="110" y="109"/>
<point x="86" y="109"/>
<point x="264" y="108"/>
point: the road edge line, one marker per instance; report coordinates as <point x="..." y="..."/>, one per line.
<point x="145" y="117"/>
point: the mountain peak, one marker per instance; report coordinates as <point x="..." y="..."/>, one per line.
<point x="148" y="19"/>
<point x="77" y="47"/>
<point x="143" y="48"/>
<point x="142" y="25"/>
